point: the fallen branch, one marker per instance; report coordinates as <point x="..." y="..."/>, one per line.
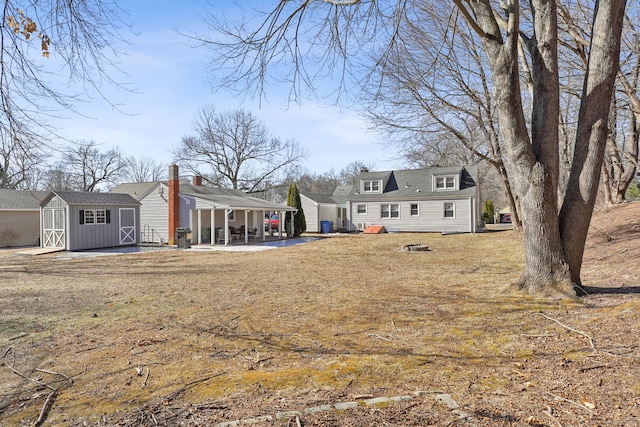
<point x="378" y="336"/>
<point x="593" y="367"/>
<point x="178" y="392"/>
<point x="580" y="405"/>
<point x="584" y="334"/>
<point x="44" y="412"/>
<point x="15" y="337"/>
<point x="55" y="373"/>
<point x="144" y="384"/>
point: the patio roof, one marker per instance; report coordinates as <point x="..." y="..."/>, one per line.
<point x="232" y="199"/>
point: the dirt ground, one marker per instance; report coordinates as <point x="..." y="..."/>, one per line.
<point x="344" y="331"/>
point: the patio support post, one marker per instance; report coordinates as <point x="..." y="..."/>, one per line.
<point x="227" y="212"/>
<point x="213" y="225"/>
<point x="199" y="232"/>
<point x="264" y="233"/>
<point x="293" y="224"/>
<point x="246" y="226"/>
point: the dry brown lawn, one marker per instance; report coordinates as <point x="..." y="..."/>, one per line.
<point x="199" y="338"/>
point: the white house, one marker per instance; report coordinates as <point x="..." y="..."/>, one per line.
<point x="438" y="199"/>
<point x="214" y="215"/>
<point x="318" y="208"/>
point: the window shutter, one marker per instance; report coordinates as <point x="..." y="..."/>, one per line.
<point x="108" y="215"/>
<point x="81" y="216"/>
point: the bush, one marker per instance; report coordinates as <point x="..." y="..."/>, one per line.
<point x="489" y="212"/>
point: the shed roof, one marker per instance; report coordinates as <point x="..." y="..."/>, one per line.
<point x="91" y="198"/>
<point x="21" y="199"/>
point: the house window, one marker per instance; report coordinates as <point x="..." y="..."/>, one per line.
<point x="371" y="186"/>
<point x="445" y="183"/>
<point x="449" y="210"/>
<point x="362" y="209"/>
<point x="414" y="209"/>
<point x="389" y="211"/>
<point x="231" y="215"/>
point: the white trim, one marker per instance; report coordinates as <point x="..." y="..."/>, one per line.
<point x="389" y="205"/>
<point x="445" y="179"/>
<point x="444" y="210"/>
<point x="127" y="232"/>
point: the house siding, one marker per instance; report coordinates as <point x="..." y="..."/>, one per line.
<point x="154" y="216"/>
<point x="311" y="214"/>
<point x="329" y="213"/>
<point x="19" y="228"/>
<point x="430" y="219"/>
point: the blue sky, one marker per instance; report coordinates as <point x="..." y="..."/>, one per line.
<point x="169" y="80"/>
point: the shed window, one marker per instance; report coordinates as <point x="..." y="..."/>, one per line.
<point x="95" y="216"/>
<point x="362" y="209"/>
<point x="414" y="209"/>
<point x="449" y="210"/>
<point x="101" y="216"/>
<point x="89" y="216"/>
<point x="389" y="211"/>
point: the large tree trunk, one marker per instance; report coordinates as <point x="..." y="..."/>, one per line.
<point x="554" y="244"/>
<point x="591" y="135"/>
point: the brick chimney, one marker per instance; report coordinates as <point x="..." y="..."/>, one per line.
<point x="197" y="181"/>
<point x="174" y="203"/>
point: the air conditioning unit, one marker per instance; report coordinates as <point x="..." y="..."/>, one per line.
<point x="360" y="226"/>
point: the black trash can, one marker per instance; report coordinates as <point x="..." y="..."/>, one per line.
<point x="183" y="237"/>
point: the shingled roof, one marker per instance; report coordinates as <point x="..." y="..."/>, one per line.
<point x="21" y="199"/>
<point x="91" y="198"/>
<point x="417" y="184"/>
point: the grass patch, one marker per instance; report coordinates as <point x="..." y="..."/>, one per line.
<point x="348" y="315"/>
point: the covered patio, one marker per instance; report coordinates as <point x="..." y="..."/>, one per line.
<point x="225" y="219"/>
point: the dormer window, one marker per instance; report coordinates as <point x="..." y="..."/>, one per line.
<point x="444" y="183"/>
<point x="371" y="186"/>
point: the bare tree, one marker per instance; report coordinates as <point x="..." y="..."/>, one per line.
<point x="19" y="163"/>
<point x="144" y="169"/>
<point x="89" y="168"/>
<point x="621" y="153"/>
<point x="42" y="43"/>
<point x="511" y="35"/>
<point x="444" y="116"/>
<point x="350" y="173"/>
<point x="237" y="151"/>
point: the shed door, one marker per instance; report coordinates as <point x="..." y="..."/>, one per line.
<point x="53" y="228"/>
<point x="127" y="226"/>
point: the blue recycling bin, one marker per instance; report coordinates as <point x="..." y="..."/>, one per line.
<point x="326" y="226"/>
